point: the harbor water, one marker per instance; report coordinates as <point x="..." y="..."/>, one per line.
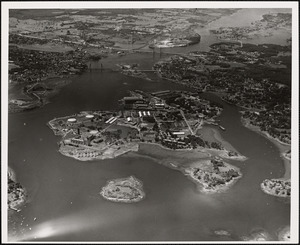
<point x="64" y="200"/>
<point x="64" y="193"/>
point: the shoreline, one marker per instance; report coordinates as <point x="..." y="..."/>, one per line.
<point x="107" y="154"/>
<point x="210" y="151"/>
<point x="280" y="146"/>
<point x="203" y="187"/>
<point x="227" y="146"/>
<point x="179" y="163"/>
<point x="16" y="193"/>
<point x="276" y="187"/>
<point x="135" y="185"/>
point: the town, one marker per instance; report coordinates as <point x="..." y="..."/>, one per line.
<point x="35" y="75"/>
<point x="45" y="51"/>
<point x="168" y="118"/>
<point x="253" y="77"/>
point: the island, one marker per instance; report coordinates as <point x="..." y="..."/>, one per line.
<point x="277" y="187"/>
<point x="213" y="175"/>
<point x="126" y="190"/>
<point x="179" y="129"/>
<point x="170" y="120"/>
<point x="16" y="196"/>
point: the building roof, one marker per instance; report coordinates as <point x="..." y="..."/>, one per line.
<point x="178" y="133"/>
<point x="72" y="120"/>
<point x="132" y="98"/>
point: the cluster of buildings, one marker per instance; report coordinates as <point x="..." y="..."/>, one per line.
<point x="158" y="117"/>
<point x="36" y="65"/>
<point x="168" y="117"/>
<point x="251" y="83"/>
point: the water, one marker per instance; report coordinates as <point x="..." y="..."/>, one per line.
<point x="64" y="193"/>
<point x="244" y="17"/>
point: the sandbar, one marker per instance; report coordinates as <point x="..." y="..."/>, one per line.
<point x="189" y="161"/>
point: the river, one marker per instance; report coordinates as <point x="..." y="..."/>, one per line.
<point x="243" y="17"/>
<point x="64" y="201"/>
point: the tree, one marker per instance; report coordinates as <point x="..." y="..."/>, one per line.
<point x="216" y="145"/>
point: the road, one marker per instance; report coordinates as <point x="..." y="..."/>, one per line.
<point x="182" y="113"/>
<point x="199" y="125"/>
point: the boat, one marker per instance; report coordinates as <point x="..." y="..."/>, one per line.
<point x="221" y="127"/>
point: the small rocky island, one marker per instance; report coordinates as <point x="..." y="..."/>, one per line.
<point x="213" y="175"/>
<point x="16" y="194"/>
<point x="126" y="190"/>
<point x="277" y="187"/>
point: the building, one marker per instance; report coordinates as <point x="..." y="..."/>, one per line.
<point x="113" y="120"/>
<point x="71" y="121"/>
<point x="109" y="120"/>
<point x="78" y="141"/>
<point x="131" y="100"/>
<point x="179" y="134"/>
<point x="89" y="116"/>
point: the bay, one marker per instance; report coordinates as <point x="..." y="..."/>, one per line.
<point x="64" y="193"/>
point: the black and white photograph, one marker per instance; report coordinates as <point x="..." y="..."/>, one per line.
<point x="149" y="122"/>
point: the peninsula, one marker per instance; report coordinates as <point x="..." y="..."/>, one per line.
<point x="256" y="78"/>
<point x="168" y="119"/>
